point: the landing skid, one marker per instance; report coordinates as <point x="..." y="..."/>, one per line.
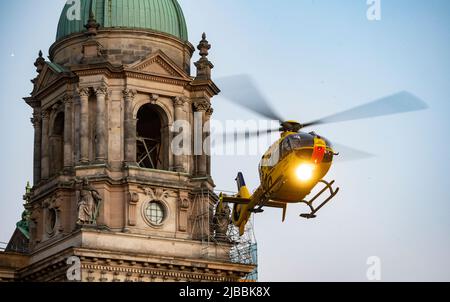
<point x="328" y="186"/>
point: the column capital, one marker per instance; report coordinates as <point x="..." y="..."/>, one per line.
<point x="36" y="120"/>
<point x="179" y="101"/>
<point x="67" y="99"/>
<point x="202" y="105"/>
<point x="129" y="94"/>
<point x="45" y="115"/>
<point x="101" y="90"/>
<point x="84" y="91"/>
<point x="210" y="111"/>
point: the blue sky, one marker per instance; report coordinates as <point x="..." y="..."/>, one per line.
<point x="311" y="58"/>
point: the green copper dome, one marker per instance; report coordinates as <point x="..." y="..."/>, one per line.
<point x="158" y="15"/>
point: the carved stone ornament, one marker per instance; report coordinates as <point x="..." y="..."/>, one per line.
<point x="92" y="25"/>
<point x="184" y="203"/>
<point x="129" y="94"/>
<point x="154" y="97"/>
<point x="36" y="120"/>
<point x="45" y="115"/>
<point x="101" y="91"/>
<point x="40" y="62"/>
<point x="84" y="92"/>
<point x="210" y="111"/>
<point x="204" y="46"/>
<point x="179" y="101"/>
<point x="133" y="198"/>
<point x="51" y="208"/>
<point x="67" y="99"/>
<point x="221" y="221"/>
<point x="89" y="201"/>
<point x="156" y="194"/>
<point x="202" y="106"/>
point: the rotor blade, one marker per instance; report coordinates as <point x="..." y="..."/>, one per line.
<point x="241" y="90"/>
<point x="244" y="135"/>
<point x="397" y="103"/>
<point x="349" y="154"/>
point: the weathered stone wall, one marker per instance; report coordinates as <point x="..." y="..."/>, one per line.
<point x="124" y="47"/>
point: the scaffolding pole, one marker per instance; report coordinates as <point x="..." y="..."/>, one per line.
<point x="205" y="227"/>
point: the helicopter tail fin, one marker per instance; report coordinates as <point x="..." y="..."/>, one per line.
<point x="242" y="187"/>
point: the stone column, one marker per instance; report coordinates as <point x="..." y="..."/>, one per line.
<point x="37" y="124"/>
<point x="68" y="139"/>
<point x="201" y="107"/>
<point x="45" y="163"/>
<point x="84" y="125"/>
<point x="178" y="160"/>
<point x="101" y="125"/>
<point x="207" y="130"/>
<point x="129" y="128"/>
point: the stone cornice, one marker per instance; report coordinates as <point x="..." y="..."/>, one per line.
<point x="62" y="80"/>
<point x="204" y="85"/>
<point x="113" y="265"/>
<point x="32" y="102"/>
<point x="170" y="273"/>
<point x="119" y="72"/>
<point x="111" y="71"/>
<point x="139" y="177"/>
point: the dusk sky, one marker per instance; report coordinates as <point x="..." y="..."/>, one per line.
<point x="311" y="58"/>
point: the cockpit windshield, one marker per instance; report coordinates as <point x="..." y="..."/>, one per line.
<point x="303" y="145"/>
<point x="301" y="140"/>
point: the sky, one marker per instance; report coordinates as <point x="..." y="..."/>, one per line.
<point x="311" y="58"/>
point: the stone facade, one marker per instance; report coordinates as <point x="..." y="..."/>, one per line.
<point x="92" y="191"/>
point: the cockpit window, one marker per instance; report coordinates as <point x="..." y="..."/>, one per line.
<point x="272" y="157"/>
<point x="285" y="147"/>
<point x="301" y="140"/>
<point x="303" y="144"/>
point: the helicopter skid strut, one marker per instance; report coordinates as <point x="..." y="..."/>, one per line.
<point x="333" y="192"/>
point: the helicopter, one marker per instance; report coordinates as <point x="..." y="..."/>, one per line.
<point x="298" y="161"/>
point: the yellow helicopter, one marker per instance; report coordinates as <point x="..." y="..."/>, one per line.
<point x="298" y="161"/>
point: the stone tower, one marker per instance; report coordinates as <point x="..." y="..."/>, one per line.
<point x="108" y="190"/>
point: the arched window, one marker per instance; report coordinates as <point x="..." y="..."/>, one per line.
<point x="57" y="144"/>
<point x="152" y="134"/>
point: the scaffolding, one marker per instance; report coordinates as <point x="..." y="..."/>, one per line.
<point x="245" y="248"/>
<point x="148" y="152"/>
<point x="222" y="241"/>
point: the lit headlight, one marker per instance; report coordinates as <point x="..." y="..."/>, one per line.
<point x="305" y="172"/>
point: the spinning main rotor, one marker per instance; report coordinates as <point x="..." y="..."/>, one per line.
<point x="241" y="90"/>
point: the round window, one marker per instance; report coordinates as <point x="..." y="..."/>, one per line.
<point x="155" y="213"/>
